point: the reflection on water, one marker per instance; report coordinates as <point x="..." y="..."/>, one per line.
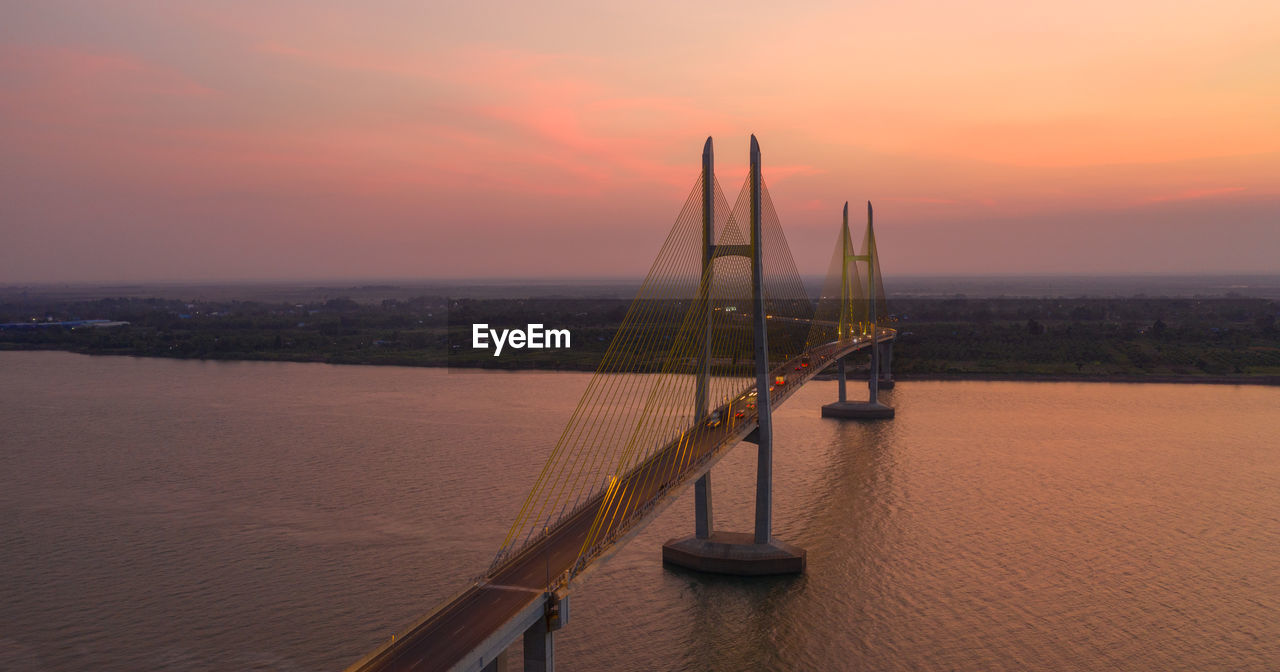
<point x="194" y="515"/>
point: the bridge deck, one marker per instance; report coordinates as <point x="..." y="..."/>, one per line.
<point x="444" y="639"/>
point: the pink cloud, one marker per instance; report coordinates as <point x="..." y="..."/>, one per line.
<point x="545" y="121"/>
<point x="69" y="76"/>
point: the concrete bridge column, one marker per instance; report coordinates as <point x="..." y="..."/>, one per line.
<point x="868" y="410"/>
<point x="841" y="378"/>
<point x="539" y="649"/>
<point x="886" y="366"/>
<point x="871" y="409"/>
<point x="703" y="519"/>
<point x="702" y="524"/>
<point x="500" y="664"/>
<point x="539" y="644"/>
<point x="873" y="378"/>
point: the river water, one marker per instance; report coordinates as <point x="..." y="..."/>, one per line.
<point x="186" y="515"/>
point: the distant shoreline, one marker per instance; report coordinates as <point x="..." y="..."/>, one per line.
<point x="1060" y="378"/>
<point x="905" y="286"/>
<point x="1224" y="341"/>
<point x="1268" y="380"/>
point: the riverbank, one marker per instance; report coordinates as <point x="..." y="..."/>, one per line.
<point x="1228" y="340"/>
<point x="854" y="375"/>
<point x="1048" y="378"/>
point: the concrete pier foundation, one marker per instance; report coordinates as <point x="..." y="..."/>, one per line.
<point x="872" y="409"/>
<point x="857" y="410"/>
<point x="734" y="553"/>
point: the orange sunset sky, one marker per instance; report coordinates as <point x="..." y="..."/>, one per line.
<point x="193" y="141"/>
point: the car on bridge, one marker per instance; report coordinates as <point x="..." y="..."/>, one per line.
<point x="714" y="420"/>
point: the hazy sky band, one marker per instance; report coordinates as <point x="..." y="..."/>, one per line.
<point x="228" y="140"/>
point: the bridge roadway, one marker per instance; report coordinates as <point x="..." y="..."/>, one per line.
<point x="443" y="639"/>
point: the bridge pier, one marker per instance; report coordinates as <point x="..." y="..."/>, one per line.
<point x="500" y="664"/>
<point x="735" y="552"/>
<point x="840" y="378"/>
<point x="871" y="409"/>
<point x="539" y="648"/>
<point x="539" y="641"/>
<point x="702" y="524"/>
<point x="886" y="366"/>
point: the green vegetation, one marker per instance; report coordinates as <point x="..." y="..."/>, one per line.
<point x="1133" y="337"/>
<point x="1232" y="338"/>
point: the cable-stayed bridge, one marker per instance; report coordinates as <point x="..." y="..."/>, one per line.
<point x="721" y="331"/>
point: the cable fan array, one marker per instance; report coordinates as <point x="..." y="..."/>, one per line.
<point x="638" y="429"/>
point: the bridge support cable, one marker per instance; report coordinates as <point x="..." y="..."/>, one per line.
<point x="726" y="285"/>
<point x="726" y="252"/>
<point x="688" y="336"/>
<point x="841" y="291"/>
<point x="638" y="400"/>
<point x="788" y="306"/>
<point x="661" y="394"/>
<point x="614" y="512"/>
<point x="617" y="375"/>
<point x="721" y="314"/>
